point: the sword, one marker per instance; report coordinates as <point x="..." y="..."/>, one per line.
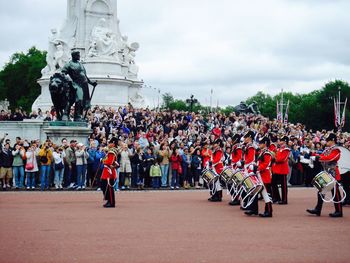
<point x="92" y="94"/>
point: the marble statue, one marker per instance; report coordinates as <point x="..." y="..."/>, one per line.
<point x="137" y="99"/>
<point x="128" y="54"/>
<point x="92" y="27"/>
<point x="4" y="105"/>
<point x="103" y="41"/>
<point x="57" y="55"/>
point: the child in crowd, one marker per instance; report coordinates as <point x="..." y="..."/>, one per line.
<point x="155" y="173"/>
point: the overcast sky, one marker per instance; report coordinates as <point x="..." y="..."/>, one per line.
<point x="235" y="47"/>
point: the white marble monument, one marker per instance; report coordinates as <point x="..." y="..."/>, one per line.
<point x="92" y="27"/>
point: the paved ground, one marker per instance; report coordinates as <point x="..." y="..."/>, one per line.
<point x="178" y="226"/>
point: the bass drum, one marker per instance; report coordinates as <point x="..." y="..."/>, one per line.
<point x="209" y="176"/>
<point x="344" y="161"/>
<point x="324" y="182"/>
<point x="227" y="174"/>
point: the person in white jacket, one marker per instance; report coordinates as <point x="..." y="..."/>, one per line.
<point x="31" y="167"/>
<point x="58" y="156"/>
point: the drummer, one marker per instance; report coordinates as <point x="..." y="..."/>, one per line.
<point x="329" y="160"/>
<point x="248" y="162"/>
<point x="236" y="157"/>
<point x="264" y="162"/>
<point x="218" y="167"/>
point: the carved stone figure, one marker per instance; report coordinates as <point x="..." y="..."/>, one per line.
<point x="62" y="95"/>
<point x="60" y="56"/>
<point x="80" y="84"/>
<point x="103" y="41"/>
<point x="57" y="55"/>
<point x="137" y="99"/>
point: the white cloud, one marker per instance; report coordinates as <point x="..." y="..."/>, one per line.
<point x="235" y="47"/>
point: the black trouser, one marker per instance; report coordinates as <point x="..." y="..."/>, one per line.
<point x="134" y="174"/>
<point x="337" y="198"/>
<point x="73" y="173"/>
<point x="282" y="180"/>
<point x="254" y="205"/>
<point x="308" y="175"/>
<point x="345" y="180"/>
<point x="90" y="174"/>
<point x="122" y="179"/>
<point x="108" y="190"/>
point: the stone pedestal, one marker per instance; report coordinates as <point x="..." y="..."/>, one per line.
<point x="69" y="130"/>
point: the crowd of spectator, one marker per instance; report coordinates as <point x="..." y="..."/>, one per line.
<point x="157" y="149"/>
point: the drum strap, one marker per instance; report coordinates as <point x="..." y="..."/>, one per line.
<point x="335" y="190"/>
<point x="264" y="193"/>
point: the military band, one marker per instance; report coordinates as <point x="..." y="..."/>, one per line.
<point x="266" y="163"/>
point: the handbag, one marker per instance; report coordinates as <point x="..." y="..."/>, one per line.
<point x="59" y="166"/>
<point x="30" y="166"/>
<point x="179" y="170"/>
<point x="44" y="159"/>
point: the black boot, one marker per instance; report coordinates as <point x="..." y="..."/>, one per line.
<point x="314" y="211"/>
<point x="251" y="212"/>
<point x="217" y="197"/>
<point x="318" y="208"/>
<point x="220" y="195"/>
<point x="212" y="197"/>
<point x="336" y="214"/>
<point x="268" y="210"/>
<point x="253" y="208"/>
<point x="234" y="202"/>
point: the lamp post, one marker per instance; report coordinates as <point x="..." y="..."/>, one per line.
<point x="191" y="101"/>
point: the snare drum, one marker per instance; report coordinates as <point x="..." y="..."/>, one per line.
<point x="238" y="178"/>
<point x="324" y="182"/>
<point x="227" y="174"/>
<point x="252" y="185"/>
<point x="209" y="176"/>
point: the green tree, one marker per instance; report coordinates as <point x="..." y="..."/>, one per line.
<point x="314" y="109"/>
<point x="18" y="79"/>
<point x="167" y="100"/>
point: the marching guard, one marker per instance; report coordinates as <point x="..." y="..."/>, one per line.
<point x="218" y="166"/>
<point x="264" y="174"/>
<point x="236" y="156"/>
<point x="280" y="170"/>
<point x="109" y="173"/>
<point x="329" y="159"/>
<point x="248" y="163"/>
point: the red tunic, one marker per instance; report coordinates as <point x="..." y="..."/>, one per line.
<point x="110" y="163"/>
<point x="217" y="161"/>
<point x="249" y="157"/>
<point x="332" y="155"/>
<point x="237" y="155"/>
<point x="273" y="148"/>
<point x="281" y="161"/>
<point x="249" y="154"/>
<point x="264" y="164"/>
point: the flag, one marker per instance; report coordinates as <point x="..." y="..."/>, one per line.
<point x="278" y="111"/>
<point x="286" y="114"/>
<point x="344" y="112"/>
<point x="335" y="114"/>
